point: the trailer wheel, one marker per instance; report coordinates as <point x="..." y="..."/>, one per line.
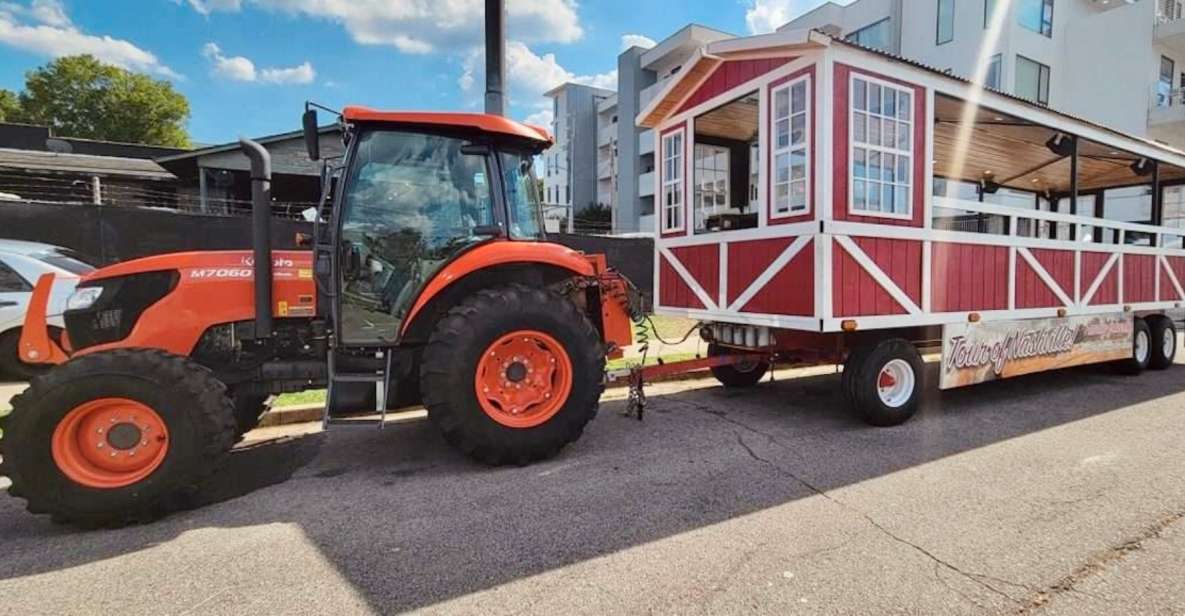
<point x="512" y="375"/>
<point x="116" y="437"/>
<point x="883" y="382"/>
<point x="1163" y="336"/>
<point x="746" y="374"/>
<point x="1141" y="350"/>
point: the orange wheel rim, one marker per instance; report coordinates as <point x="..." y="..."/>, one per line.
<point x="110" y="443"/>
<point x="523" y="379"/>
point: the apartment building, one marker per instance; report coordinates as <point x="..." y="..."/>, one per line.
<point x="1115" y="62"/>
<point x="570" y="167"/>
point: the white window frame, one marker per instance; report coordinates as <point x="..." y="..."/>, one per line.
<point x="912" y="152"/>
<point x="678" y="184"/>
<point x="698" y="184"/>
<point x="805" y="147"/>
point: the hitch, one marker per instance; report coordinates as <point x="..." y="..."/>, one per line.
<point x="638" y="375"/>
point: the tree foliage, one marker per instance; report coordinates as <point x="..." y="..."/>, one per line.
<point x="79" y="96"/>
<point x="9" y="106"/>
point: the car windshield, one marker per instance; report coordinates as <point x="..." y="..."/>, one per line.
<point x="522" y="195"/>
<point x="70" y="260"/>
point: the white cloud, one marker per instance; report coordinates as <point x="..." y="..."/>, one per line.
<point x="299" y="75"/>
<point x="42" y="27"/>
<point x="762" y="16"/>
<point x="239" y="68"/>
<point x="425" y="26"/>
<point x="543" y="117"/>
<point x="205" y="7"/>
<point x="636" y="40"/>
<point x="529" y="75"/>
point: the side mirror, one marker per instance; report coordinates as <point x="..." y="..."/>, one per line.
<point x="312" y="134"/>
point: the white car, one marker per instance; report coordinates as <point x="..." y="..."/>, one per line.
<point x="21" y="264"/>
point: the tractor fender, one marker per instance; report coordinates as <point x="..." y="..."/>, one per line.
<point x="498" y="253"/>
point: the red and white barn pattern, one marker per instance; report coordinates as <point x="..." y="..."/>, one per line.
<point x="828" y="265"/>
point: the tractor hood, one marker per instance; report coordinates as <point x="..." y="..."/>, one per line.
<point x="220" y="264"/>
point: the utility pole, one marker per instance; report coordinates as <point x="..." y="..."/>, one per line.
<point x="495" y="55"/>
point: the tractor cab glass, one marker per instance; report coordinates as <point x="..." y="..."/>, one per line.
<point x="522" y="195"/>
<point x="411" y="202"/>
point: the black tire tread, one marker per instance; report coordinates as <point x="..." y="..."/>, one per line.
<point x="1157" y="324"/>
<point x="188" y="377"/>
<point x="864" y="367"/>
<point x="440" y="361"/>
<point x="730" y="377"/>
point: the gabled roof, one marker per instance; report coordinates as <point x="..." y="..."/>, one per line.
<point x="234" y="145"/>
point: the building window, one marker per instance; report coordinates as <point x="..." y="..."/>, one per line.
<point x="791" y="154"/>
<point x="946" y="21"/>
<point x="711" y="182"/>
<point x="882" y="149"/>
<point x="992" y="77"/>
<point x="1164" y="86"/>
<point x="989" y="9"/>
<point x="875" y="36"/>
<point x="1037" y="15"/>
<point x="1168" y="10"/>
<point x="1032" y="80"/>
<point x="672" y="182"/>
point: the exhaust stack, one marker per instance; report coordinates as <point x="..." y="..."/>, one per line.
<point x="495" y="57"/>
<point x="261" y="233"/>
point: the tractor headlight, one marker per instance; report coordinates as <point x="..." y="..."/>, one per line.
<point x="83" y="298"/>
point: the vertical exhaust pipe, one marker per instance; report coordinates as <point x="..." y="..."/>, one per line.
<point x="495" y="56"/>
<point x="261" y="233"/>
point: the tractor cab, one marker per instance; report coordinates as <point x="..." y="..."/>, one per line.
<point x="414" y="192"/>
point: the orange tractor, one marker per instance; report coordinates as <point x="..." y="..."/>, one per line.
<point x="429" y="282"/>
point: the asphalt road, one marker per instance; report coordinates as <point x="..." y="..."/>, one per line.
<point x="1059" y="493"/>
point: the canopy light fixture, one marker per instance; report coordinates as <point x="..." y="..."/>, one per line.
<point x="1143" y="167"/>
<point x="1061" y="144"/>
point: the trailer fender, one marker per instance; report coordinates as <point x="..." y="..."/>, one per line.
<point x="498" y="253"/>
<point x="36" y="345"/>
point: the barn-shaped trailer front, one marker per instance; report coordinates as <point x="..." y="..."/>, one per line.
<point x="812" y="194"/>
<point x="809" y="184"/>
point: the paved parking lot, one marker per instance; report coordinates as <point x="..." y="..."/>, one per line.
<point x="1059" y="493"/>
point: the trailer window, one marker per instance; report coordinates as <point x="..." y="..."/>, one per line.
<point x="672" y="182"/>
<point x="791" y="122"/>
<point x="882" y="149"/>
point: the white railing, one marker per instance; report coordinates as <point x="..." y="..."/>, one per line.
<point x="1158" y="237"/>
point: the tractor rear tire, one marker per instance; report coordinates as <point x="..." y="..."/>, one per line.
<point x="171" y="410"/>
<point x="512" y="375"/>
<point x="737" y="375"/>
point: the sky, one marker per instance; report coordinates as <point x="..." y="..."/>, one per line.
<point x="247" y="66"/>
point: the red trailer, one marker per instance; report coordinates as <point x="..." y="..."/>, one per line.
<point x="818" y="200"/>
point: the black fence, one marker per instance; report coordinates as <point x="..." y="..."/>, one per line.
<point x="117" y="233"/>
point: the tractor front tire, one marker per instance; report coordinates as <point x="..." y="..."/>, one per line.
<point x="117" y="437"/>
<point x="512" y="375"/>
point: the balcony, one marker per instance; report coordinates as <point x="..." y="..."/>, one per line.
<point x="649" y="92"/>
<point x="1170" y="32"/>
<point x="646" y="184"/>
<point x="604" y="169"/>
<point x="1166" y="117"/>
<point x="646" y="143"/>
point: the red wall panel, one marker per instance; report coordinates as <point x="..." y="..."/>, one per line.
<point x="1168" y="292"/>
<point x="855" y="292"/>
<point x="747" y="260"/>
<point x="966" y="277"/>
<point x="730" y="75"/>
<point x="1031" y="291"/>
<point x="703" y="263"/>
<point x="791" y="291"/>
<point x="1092" y="264"/>
<point x="672" y="291"/>
<point x="900" y="259"/>
<point x="1139" y="278"/>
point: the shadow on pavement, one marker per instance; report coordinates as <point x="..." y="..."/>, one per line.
<point x="410" y="523"/>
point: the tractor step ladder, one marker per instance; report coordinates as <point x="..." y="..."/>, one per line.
<point x="382" y="384"/>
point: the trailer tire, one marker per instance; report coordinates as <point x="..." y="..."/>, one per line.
<point x="884" y="382"/>
<point x="1163" y="336"/>
<point x="737" y="375"/>
<point x="1141" y="350"/>
<point x="512" y="375"/>
<point x="144" y="393"/>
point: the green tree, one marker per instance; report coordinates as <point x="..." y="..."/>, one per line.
<point x="79" y="96"/>
<point x="10" y="106"/>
